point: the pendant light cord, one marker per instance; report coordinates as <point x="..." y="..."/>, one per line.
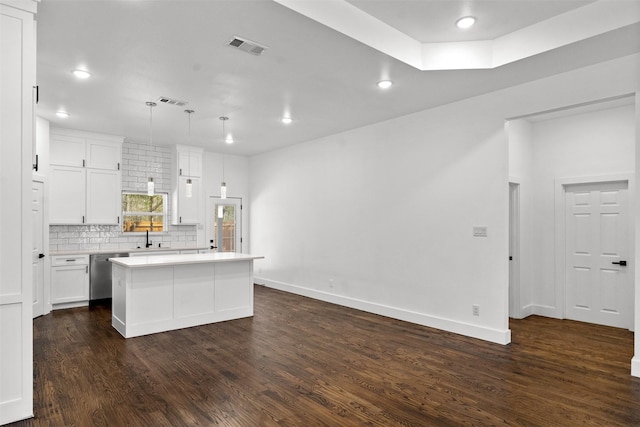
<point x="189" y="112"/>
<point x="224" y="119"/>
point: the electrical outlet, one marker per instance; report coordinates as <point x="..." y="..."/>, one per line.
<point x="476" y="309"/>
<point x="331" y="283"/>
<point x="480" y="230"/>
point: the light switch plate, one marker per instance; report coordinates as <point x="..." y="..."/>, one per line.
<point x="480" y="231"/>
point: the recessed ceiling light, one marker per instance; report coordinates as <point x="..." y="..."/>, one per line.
<point x="385" y="84"/>
<point x="81" y="74"/>
<point x="287" y="120"/>
<point x="62" y="114"/>
<point x="465" y="22"/>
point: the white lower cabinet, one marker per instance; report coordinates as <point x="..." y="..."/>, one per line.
<point x="69" y="281"/>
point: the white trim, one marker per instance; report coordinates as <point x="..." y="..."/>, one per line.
<point x="515" y="273"/>
<point x="545" y="310"/>
<point x="449" y="325"/>
<point x="560" y="261"/>
<point x="635" y="366"/>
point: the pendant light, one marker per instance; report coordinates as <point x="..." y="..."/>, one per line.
<point x="189" y="187"/>
<point x="150" y="183"/>
<point x="223" y="185"/>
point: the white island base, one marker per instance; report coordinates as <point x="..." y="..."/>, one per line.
<point x="161" y="293"/>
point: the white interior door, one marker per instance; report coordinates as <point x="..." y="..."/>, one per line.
<point x="598" y="271"/>
<point x="224" y="224"/>
<point x="37" y="248"/>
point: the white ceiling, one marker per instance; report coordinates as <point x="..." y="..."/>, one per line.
<point x="432" y="21"/>
<point x="141" y="50"/>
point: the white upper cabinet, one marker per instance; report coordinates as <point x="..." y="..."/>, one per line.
<point x="186" y="164"/>
<point x="67" y="195"/>
<point x="84" y="149"/>
<point x="190" y="163"/>
<point x="103" y="196"/>
<point x="66" y="150"/>
<point x="188" y="207"/>
<point x="85" y="178"/>
<point x="104" y="154"/>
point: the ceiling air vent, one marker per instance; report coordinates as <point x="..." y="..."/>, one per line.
<point x="247" y="46"/>
<point x="171" y="101"/>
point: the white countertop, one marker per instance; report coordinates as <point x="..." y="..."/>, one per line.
<point x="154" y="249"/>
<point x="168" y="260"/>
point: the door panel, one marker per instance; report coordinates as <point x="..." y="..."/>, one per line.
<point x="224" y="224"/>
<point x="598" y="288"/>
<point x="37" y="248"/>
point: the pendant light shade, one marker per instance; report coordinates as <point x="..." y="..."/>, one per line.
<point x="150" y="184"/>
<point x="151" y="188"/>
<point x="223" y="185"/>
<point x="189" y="187"/>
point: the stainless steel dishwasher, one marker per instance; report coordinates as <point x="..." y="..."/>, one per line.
<point x="100" y="275"/>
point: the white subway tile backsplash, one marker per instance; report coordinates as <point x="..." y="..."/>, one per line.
<point x="138" y="162"/>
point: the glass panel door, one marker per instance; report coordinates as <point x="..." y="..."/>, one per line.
<point x="224" y="230"/>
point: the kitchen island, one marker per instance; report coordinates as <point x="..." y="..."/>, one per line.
<point x="166" y="292"/>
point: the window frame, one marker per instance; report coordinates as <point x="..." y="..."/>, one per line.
<point x="164" y="215"/>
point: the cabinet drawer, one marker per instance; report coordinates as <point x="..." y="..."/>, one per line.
<point x="60" y="260"/>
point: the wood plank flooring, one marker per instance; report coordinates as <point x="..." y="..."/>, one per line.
<point x="301" y="362"/>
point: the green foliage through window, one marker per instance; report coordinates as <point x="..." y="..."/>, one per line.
<point x="141" y="212"/>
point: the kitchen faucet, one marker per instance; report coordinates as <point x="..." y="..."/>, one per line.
<point x="149" y="242"/>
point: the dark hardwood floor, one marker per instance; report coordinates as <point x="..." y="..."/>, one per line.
<point x="300" y="362"/>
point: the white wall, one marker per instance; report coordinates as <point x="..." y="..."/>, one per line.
<point x="380" y="218"/>
<point x="581" y="145"/>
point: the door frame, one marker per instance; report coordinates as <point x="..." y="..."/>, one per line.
<point x="46" y="294"/>
<point x="208" y="228"/>
<point x="560" y="230"/>
<point x="515" y="304"/>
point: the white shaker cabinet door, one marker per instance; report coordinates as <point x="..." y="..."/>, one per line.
<point x="67" y="195"/>
<point x="66" y="150"/>
<point x="189" y="163"/>
<point x="103" y="155"/>
<point x="103" y="197"/>
<point x="188" y="208"/>
<point x="69" y="284"/>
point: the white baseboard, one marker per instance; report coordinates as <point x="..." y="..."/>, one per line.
<point x="635" y="366"/>
<point x="546" y="311"/>
<point x="470" y="330"/>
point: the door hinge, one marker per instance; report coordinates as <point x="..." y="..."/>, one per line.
<point x="37" y="90"/>
<point x="241" y="240"/>
<point x="118" y="220"/>
<point x="118" y="165"/>
<point x="180" y="173"/>
<point x="83" y="163"/>
<point x="180" y="220"/>
<point x="83" y="219"/>
<point x="35" y="166"/>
